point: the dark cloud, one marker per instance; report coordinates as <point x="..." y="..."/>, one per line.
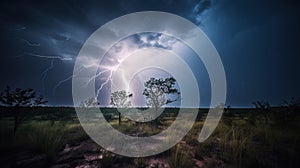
<point x="59" y="37"/>
<point x="257" y="40"/>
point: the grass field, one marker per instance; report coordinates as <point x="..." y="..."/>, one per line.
<point x="53" y="137"/>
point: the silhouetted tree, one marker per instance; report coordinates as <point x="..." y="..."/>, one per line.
<point x="17" y="97"/>
<point x="157" y="90"/>
<point x="91" y="102"/>
<point x="263" y="107"/>
<point x="291" y="109"/>
<point x="119" y="99"/>
<point x="293" y="105"/>
<point x="228" y="115"/>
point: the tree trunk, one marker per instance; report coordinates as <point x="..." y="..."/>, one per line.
<point x="119" y="118"/>
<point x="16" y="124"/>
<point x="156" y="119"/>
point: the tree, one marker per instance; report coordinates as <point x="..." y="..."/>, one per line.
<point x="91" y="102"/>
<point x="292" y="105"/>
<point x="228" y="114"/>
<point x="291" y="109"/>
<point x="263" y="107"/>
<point x="157" y="90"/>
<point x="119" y="99"/>
<point x="16" y="98"/>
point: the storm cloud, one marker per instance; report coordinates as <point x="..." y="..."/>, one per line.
<point x="257" y="42"/>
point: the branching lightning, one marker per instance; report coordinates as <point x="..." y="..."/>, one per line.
<point x="29" y="43"/>
<point x="48" y="56"/>
<point x="108" y="79"/>
<point x="52" y="58"/>
<point x="45" y="73"/>
<point x="105" y="71"/>
<point x="97" y="75"/>
<point x="61" y="82"/>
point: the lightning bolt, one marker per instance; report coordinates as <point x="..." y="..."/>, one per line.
<point x="60" y="83"/>
<point x="29" y="43"/>
<point x="65" y="80"/>
<point x="47" y="56"/>
<point x="97" y="75"/>
<point x="18" y="29"/>
<point x="108" y="79"/>
<point x="45" y="73"/>
<point x="107" y="69"/>
<point x="52" y="58"/>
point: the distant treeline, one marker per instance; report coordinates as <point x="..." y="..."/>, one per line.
<point x="6" y="111"/>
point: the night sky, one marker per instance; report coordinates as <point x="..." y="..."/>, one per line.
<point x="258" y="42"/>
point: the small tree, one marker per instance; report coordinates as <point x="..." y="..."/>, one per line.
<point x="157" y="90"/>
<point x="291" y="109"/>
<point x="292" y="105"/>
<point x="228" y="115"/>
<point x="91" y="102"/>
<point x="119" y="99"/>
<point x="17" y="97"/>
<point x="264" y="108"/>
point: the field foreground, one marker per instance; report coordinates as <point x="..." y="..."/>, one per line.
<point x="53" y="137"/>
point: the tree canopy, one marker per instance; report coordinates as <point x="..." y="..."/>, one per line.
<point x="157" y="90"/>
<point x="20" y="98"/>
<point x="119" y="99"/>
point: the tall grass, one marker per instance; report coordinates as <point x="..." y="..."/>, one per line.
<point x="180" y="157"/>
<point x="45" y="137"/>
<point x="233" y="145"/>
<point x="6" y="134"/>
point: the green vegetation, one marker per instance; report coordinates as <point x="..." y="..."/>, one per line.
<point x="253" y="137"/>
<point x="44" y="137"/>
<point x="180" y="157"/>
